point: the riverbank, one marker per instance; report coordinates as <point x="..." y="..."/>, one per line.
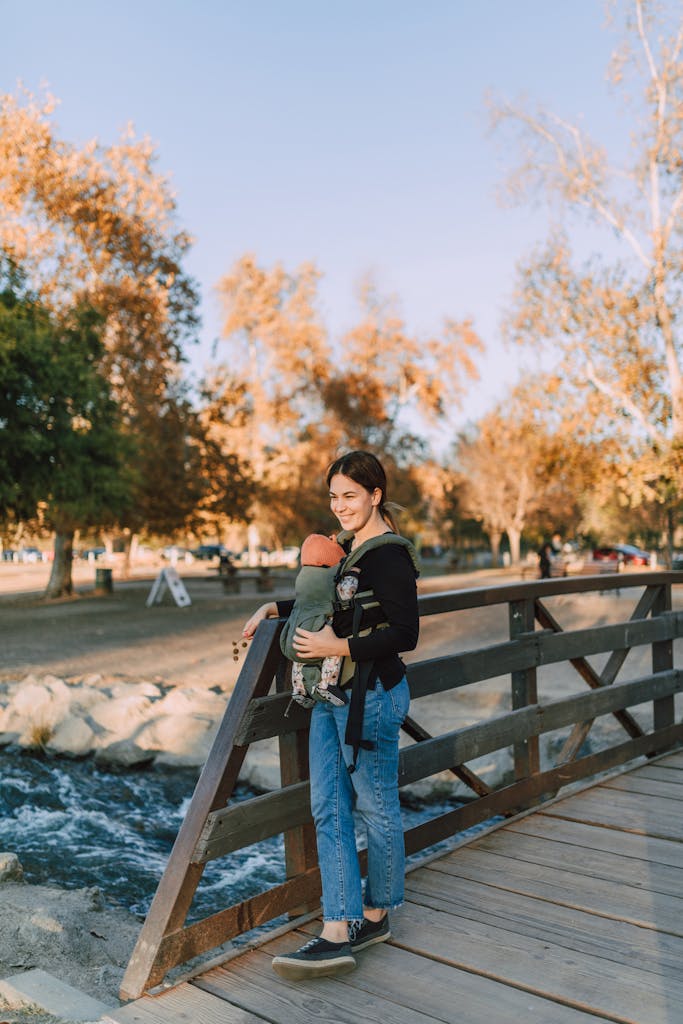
<point x="72" y="934"/>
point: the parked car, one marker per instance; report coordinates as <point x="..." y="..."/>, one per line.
<point x="208" y="551"/>
<point x="175" y="553"/>
<point x="288" y="556"/>
<point x="92" y="554"/>
<point x="622" y="554"/>
<point x="30" y="555"/>
<point x="677" y="560"/>
<point x="262" y="554"/>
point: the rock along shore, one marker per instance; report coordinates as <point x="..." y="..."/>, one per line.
<point x="73" y="934"/>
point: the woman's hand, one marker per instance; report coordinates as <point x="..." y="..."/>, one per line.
<point x="266" y="611"/>
<point x="321" y="644"/>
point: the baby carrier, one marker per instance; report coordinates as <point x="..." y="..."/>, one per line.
<point x="356" y="613"/>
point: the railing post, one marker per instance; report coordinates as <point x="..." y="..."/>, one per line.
<point x="301" y="851"/>
<point x="662" y="660"/>
<point x="524" y="689"/>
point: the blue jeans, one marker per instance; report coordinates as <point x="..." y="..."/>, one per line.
<point x="372" y="790"/>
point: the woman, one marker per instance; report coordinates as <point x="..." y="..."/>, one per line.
<point x="354" y="760"/>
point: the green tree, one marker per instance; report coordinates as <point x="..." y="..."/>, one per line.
<point x="96" y="225"/>
<point x="63" y="455"/>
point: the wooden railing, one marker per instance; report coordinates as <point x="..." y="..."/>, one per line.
<point x="214" y="827"/>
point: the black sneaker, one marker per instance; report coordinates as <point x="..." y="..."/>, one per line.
<point x="367" y="933"/>
<point x="317" y="959"/>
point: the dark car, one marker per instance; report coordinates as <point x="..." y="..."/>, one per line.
<point x="208" y="551"/>
<point x="622" y="554"/>
<point x="92" y="554"/>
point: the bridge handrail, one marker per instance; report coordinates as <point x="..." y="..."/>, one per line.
<point x="214" y="827"/>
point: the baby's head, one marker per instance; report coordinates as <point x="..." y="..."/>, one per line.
<point x="320" y="550"/>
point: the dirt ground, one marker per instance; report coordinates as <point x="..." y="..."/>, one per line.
<point x="117" y="634"/>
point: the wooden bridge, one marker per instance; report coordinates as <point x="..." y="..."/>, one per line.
<point x="571" y="911"/>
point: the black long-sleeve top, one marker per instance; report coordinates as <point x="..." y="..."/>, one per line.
<point x="389" y="572"/>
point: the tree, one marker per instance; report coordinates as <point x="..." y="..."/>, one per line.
<point x="613" y="324"/>
<point x="278" y="356"/>
<point x="95" y="226"/>
<point x="63" y="454"/>
<point x="229" y="493"/>
<point x="516" y="465"/>
<point x="303" y="399"/>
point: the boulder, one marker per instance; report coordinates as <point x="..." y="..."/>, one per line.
<point x="73" y="737"/>
<point x="11" y="869"/>
<point x="123" y="753"/>
<point x="122" y="716"/>
<point x="191" y="701"/>
<point x="35" y="701"/>
<point x="179" y="740"/>
<point x="261" y="767"/>
<point x="143" y="689"/>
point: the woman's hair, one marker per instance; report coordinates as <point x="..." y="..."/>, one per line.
<point x="365" y="469"/>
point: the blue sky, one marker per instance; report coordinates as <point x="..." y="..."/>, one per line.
<point x="353" y="134"/>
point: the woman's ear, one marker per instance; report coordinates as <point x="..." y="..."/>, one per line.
<point x="377" y="496"/>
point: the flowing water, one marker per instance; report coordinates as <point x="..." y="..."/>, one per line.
<point x="73" y="824"/>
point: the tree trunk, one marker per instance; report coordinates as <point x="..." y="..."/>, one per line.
<point x="130" y="550"/>
<point x="515" y="538"/>
<point x="494" y="541"/>
<point x="61" y="583"/>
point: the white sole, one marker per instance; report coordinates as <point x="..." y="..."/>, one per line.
<point x="299" y="970"/>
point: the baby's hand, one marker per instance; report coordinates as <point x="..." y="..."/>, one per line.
<point x="264" y="612"/>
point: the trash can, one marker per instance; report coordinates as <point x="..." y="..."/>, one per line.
<point x="104" y="581"/>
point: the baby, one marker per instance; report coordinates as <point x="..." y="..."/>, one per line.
<point x="316" y="678"/>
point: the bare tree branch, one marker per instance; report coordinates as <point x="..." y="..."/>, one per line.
<point x="622" y="401"/>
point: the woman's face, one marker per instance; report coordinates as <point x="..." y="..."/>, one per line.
<point x="351" y="503"/>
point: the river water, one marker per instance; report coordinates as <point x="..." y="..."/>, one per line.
<point x="73" y="824"/>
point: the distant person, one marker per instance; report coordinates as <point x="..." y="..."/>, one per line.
<point x="545" y="560"/>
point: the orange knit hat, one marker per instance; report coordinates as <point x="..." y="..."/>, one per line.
<point x="320" y="550"/>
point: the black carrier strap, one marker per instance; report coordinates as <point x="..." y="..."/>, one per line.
<point x="354" y="722"/>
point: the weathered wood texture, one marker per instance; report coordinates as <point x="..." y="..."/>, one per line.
<point x="544" y="918"/>
<point x="214" y="826"/>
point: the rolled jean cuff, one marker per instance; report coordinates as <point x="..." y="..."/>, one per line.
<point x="383" y="906"/>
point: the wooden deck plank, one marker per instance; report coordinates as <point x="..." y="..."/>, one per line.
<point x="596" y="837"/>
<point x="571" y="915"/>
<point x="626" y="993"/>
<point x="674" y="760"/>
<point x="595" y="895"/>
<point x="628" y="811"/>
<point x="182" y="1005"/>
<point x="663" y="772"/>
<point x="613" y="866"/>
<point x="633" y="783"/>
<point x="554" y="923"/>
<point x="251" y="983"/>
<point x="438" y="990"/>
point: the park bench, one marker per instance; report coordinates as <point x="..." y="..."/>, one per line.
<point x="232" y="578"/>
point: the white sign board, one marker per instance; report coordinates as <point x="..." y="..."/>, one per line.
<point x="169" y="579"/>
